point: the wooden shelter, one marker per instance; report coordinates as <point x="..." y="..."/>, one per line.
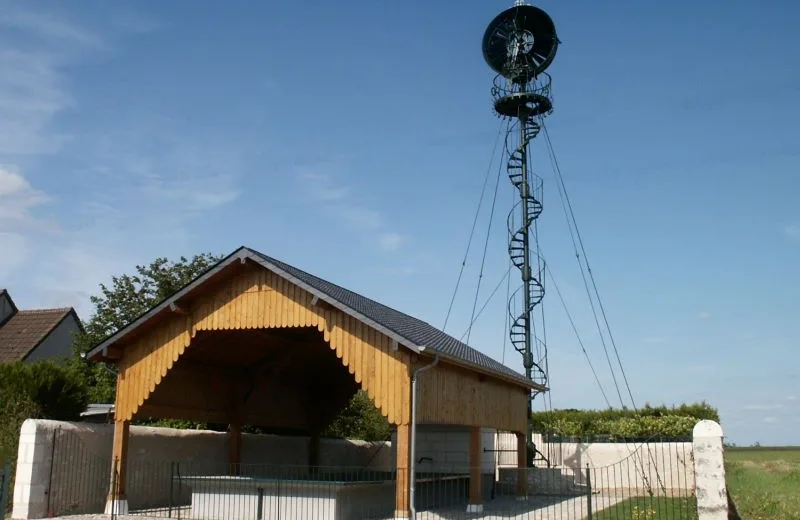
<point x="256" y="341"/>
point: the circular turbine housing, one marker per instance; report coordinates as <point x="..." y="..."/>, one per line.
<point x="520" y="43"/>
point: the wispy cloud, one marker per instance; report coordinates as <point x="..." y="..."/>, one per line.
<point x="17" y="199"/>
<point x="762" y="407"/>
<point x="50" y="27"/>
<point x="791" y="398"/>
<point x="140" y="177"/>
<point x="792" y="231"/>
<point x="391" y="241"/>
<point x="704" y="315"/>
<point x="770" y="419"/>
<point x="341" y="201"/>
<point x="18" y="223"/>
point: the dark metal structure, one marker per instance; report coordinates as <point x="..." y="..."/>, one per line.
<point x="520" y="44"/>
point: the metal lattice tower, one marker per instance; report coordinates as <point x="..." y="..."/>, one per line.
<point x="519" y="44"/>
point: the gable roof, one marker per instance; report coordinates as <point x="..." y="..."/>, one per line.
<point x="408" y="331"/>
<point x="21" y="334"/>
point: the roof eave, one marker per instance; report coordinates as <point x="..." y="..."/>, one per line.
<point x="518" y="381"/>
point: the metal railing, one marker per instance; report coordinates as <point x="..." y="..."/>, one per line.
<point x="653" y="481"/>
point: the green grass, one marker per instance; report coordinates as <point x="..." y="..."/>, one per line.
<point x="764" y="483"/>
<point x="650" y="508"/>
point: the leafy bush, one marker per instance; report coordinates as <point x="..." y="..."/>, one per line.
<point x="44" y="390"/>
<point x="620" y="424"/>
<point x="360" y="420"/>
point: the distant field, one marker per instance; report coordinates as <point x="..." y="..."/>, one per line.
<point x="764" y="483"/>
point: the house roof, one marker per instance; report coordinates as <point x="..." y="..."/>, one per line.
<point x="26" y="329"/>
<point x="408" y="331"/>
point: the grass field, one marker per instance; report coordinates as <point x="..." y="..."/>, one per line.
<point x="764" y="483"/>
<point x="650" y="508"/>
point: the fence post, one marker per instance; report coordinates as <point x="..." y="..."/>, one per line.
<point x="709" y="470"/>
<point x="171" y="487"/>
<point x="589" y="491"/>
<point x="5" y="479"/>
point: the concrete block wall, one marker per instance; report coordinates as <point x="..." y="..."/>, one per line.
<point x="65" y="467"/>
<point x="666" y="467"/>
<point x="445" y="449"/>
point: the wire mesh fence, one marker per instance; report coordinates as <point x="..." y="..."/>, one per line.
<point x="653" y="481"/>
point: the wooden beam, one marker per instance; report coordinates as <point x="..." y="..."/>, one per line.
<point x="403" y="483"/>
<point x="234" y="447"/>
<point x="522" y="466"/>
<point x="475" y="488"/>
<point x="177" y="309"/>
<point x="113" y="353"/>
<point x="119" y="457"/>
<point x="181" y="412"/>
<point x="313" y="450"/>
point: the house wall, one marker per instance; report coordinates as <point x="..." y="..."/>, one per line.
<point x="58" y="343"/>
<point x="6" y="307"/>
<point x="64" y="468"/>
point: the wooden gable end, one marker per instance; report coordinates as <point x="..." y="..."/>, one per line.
<point x="453" y="395"/>
<point x="254" y="298"/>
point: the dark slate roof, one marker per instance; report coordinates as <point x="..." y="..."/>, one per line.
<point x="414" y="330"/>
<point x="26" y="329"/>
<point x="407" y="330"/>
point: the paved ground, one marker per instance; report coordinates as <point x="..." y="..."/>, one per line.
<point x="535" y="508"/>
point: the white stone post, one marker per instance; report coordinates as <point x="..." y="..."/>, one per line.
<point x="32" y="483"/>
<point x="709" y="469"/>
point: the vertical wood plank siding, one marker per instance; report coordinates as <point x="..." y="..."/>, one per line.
<point x="449" y="395"/>
<point x="254" y="299"/>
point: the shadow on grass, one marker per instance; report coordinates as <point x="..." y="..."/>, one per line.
<point x="733" y="514"/>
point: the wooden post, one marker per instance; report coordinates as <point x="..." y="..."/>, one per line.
<point x="522" y="467"/>
<point x="235" y="448"/>
<point x="475" y="488"/>
<point x="117" y="497"/>
<point x="313" y="451"/>
<point x="403" y="490"/>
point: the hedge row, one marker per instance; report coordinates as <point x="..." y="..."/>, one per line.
<point x="621" y="424"/>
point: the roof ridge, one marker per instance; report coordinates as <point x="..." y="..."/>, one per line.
<point x="47" y="309"/>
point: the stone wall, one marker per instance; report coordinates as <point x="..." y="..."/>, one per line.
<point x="64" y="467"/>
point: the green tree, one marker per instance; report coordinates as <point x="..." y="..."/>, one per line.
<point x="361" y="420"/>
<point x="128" y="297"/>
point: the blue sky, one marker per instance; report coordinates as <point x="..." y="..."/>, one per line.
<point x="352" y="139"/>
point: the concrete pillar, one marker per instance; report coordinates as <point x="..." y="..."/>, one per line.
<point x="34" y="459"/>
<point x="475" y="490"/>
<point x="709" y="468"/>
<point x="522" y="467"/>
<point x="117" y="497"/>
